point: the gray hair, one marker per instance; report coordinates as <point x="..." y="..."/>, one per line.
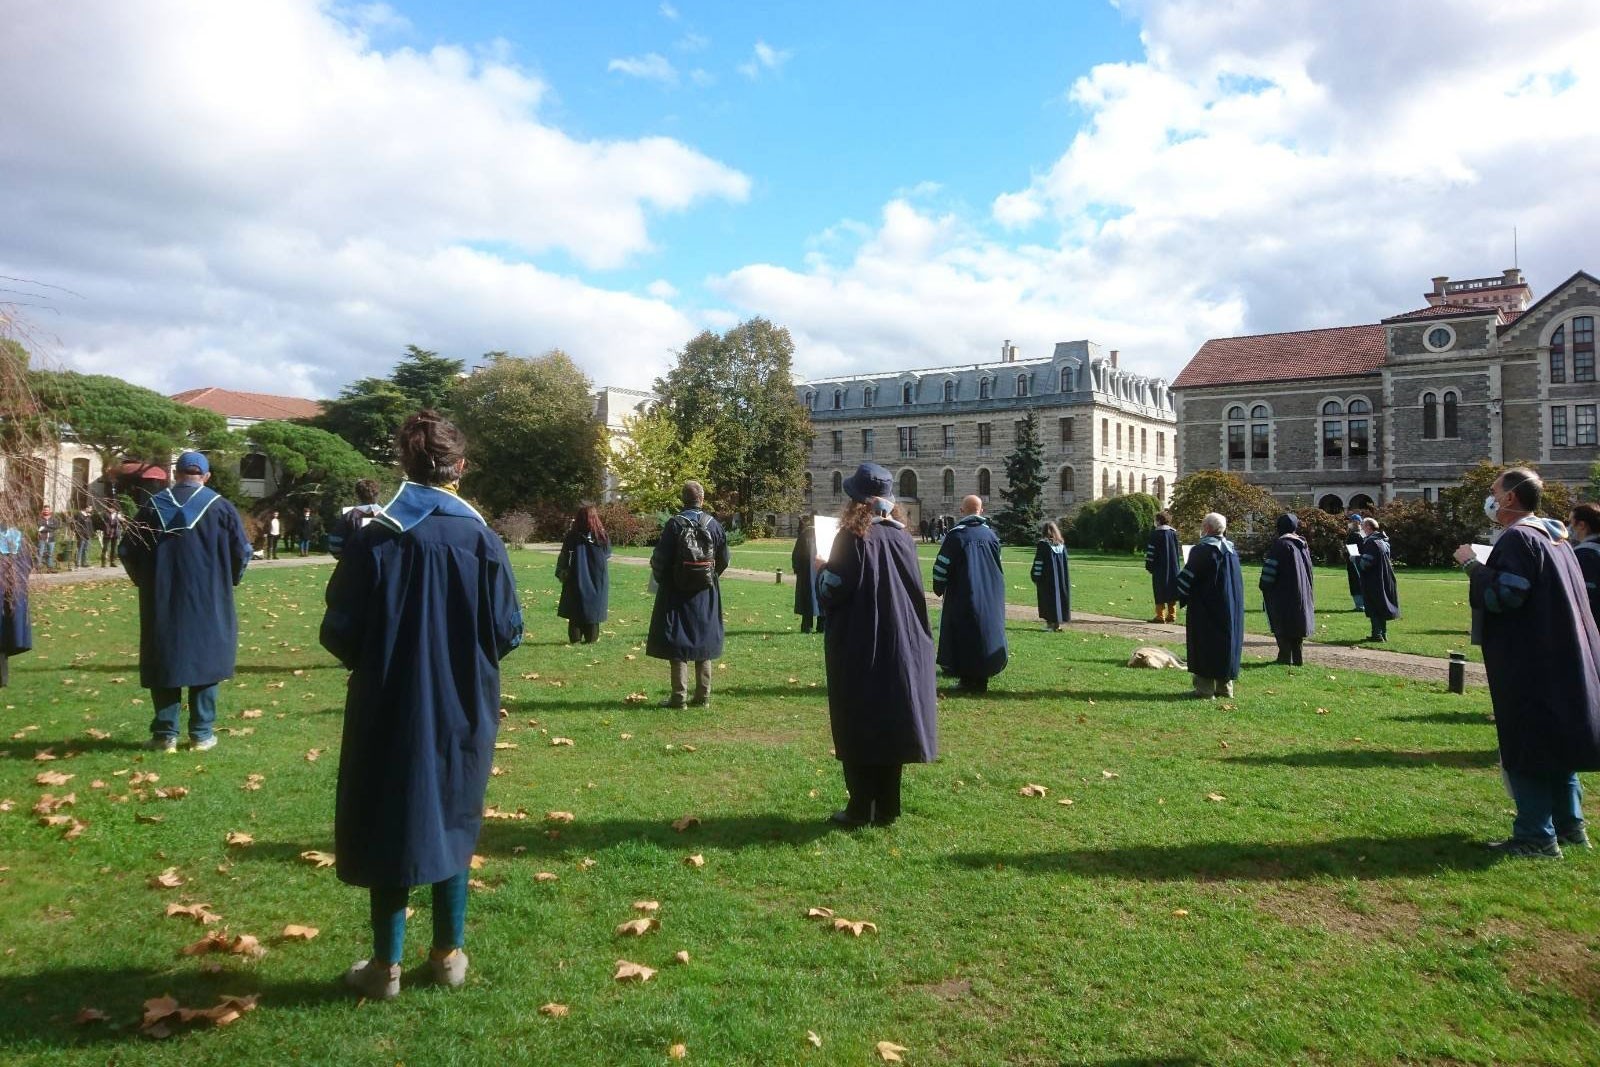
<point x="693" y="495"/>
<point x="1215" y="522"/>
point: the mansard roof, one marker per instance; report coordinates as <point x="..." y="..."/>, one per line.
<point x="1336" y="352"/>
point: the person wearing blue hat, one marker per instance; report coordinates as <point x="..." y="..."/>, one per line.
<point x="879" y="651"/>
<point x="972" y="623"/>
<point x="186" y="551"/>
<point x="1352" y="570"/>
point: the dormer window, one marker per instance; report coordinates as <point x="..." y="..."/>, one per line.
<point x="985" y="388"/>
<point x="1022" y="385"/>
<point x="949" y="390"/>
<point x="868" y="396"/>
<point x="838" y="399"/>
<point x="811" y="400"/>
<point x="908" y="393"/>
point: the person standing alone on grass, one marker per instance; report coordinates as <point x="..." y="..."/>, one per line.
<point x="274" y="534"/>
<point x="585" y="579"/>
<point x="185" y="552"/>
<point x="1541" y="652"/>
<point x="1378" y="591"/>
<point x="1050" y="576"/>
<point x="421" y="609"/>
<point x="1584" y="528"/>
<point x="1287" y="592"/>
<point x="310" y="529"/>
<point x="805" y="578"/>
<point x="1211" y="588"/>
<point x="1163" y="558"/>
<point x="110" y="534"/>
<point x="879" y="651"/>
<point x="686" y="623"/>
<point x="972" y="623"/>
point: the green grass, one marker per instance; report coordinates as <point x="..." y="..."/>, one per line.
<point x="1334" y="908"/>
<point x="1435" y="618"/>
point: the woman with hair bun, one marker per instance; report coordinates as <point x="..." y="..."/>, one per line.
<point x="421" y="609"/>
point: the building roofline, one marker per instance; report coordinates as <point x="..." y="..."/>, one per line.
<point x="1531" y="308"/>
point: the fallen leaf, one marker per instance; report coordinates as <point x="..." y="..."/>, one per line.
<point x="250" y="713"/>
<point x="44" y="755"/>
<point x="587" y="863"/>
<point x="252" y="782"/>
<point x="855" y="929"/>
<point x="1180" y="912"/>
<point x="318" y="859"/>
<point x="546" y="876"/>
<point x="1110" y="774"/>
<point x="49" y="802"/>
<point x="493" y="813"/>
<point x="312" y="754"/>
<point x="502" y="745"/>
<point x="690" y="748"/>
<point x="238" y="839"/>
<point x="52" y="778"/>
<point x="1031" y="790"/>
<point x="819" y="913"/>
<point x="633" y="972"/>
<point x="296" y="932"/>
<point x="815" y="1038"/>
<point x="685" y="823"/>
<point x="143" y="778"/>
<point x="90" y="1015"/>
<point x="647" y="906"/>
<point x="555" y="1011"/>
<point x="696" y="860"/>
<point x="625" y="737"/>
<point x="172" y="792"/>
<point x="889" y="1052"/>
<point x="1216" y="797"/>
<point x="637" y="927"/>
<point x="555" y="741"/>
<point x="1065" y="802"/>
<point x="635" y="698"/>
<point x="158" y="1008"/>
<point x="476" y="862"/>
<point x="558" y="816"/>
<point x="167" y="879"/>
<point x="678" y="1051"/>
<point x="682" y="955"/>
<point x="531" y="676"/>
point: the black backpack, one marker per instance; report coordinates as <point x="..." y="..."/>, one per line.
<point x="695" y="569"/>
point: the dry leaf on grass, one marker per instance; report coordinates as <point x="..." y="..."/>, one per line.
<point x="546" y="876"/>
<point x="476" y="862"/>
<point x="647" y="906"/>
<point x="312" y="754"/>
<point x="167" y="879"/>
<point x="1180" y="912"/>
<point x="625" y="737"/>
<point x="90" y="1015"/>
<point x="637" y="927"/>
<point x="494" y="813"/>
<point x="696" y="860"/>
<point x="1109" y="774"/>
<point x="558" y="816"/>
<point x="685" y="823"/>
<point x="682" y="955"/>
<point x="557" y="741"/>
<point x="819" y="913"/>
<point x="296" y="932"/>
<point x="678" y="1051"/>
<point x="239" y="839"/>
<point x="1031" y="790"/>
<point x="1215" y="797"/>
<point x="633" y="972"/>
<point x="242" y="945"/>
<point x="814" y="1037"/>
<point x="503" y="745"/>
<point x="44" y="755"/>
<point x="172" y="792"/>
<point x="49" y="802"/>
<point x="250" y="713"/>
<point x="318" y="859"/>
<point x="139" y="778"/>
<point x="587" y="863"/>
<point x="98" y="735"/>
<point x="635" y="698"/>
<point x="52" y="778"/>
<point x="555" y="1011"/>
<point x="1065" y="802"/>
<point x="200" y="913"/>
<point x="855" y="929"/>
<point x="889" y="1052"/>
<point x="252" y="782"/>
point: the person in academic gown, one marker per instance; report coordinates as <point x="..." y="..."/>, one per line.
<point x="1584" y="529"/>
<point x="365" y="510"/>
<point x="1050" y="578"/>
<point x="1211" y="588"/>
<point x="1541" y="652"/>
<point x="805" y="583"/>
<point x="686" y="624"/>
<point x="1287" y="591"/>
<point x="972" y="624"/>
<point x="420" y="609"/>
<point x="16" y="630"/>
<point x="186" y="550"/>
<point x="1379" y="595"/>
<point x="585" y="577"/>
<point x="1163" y="558"/>
<point x="1352" y="569"/>
<point x="879" y="651"/>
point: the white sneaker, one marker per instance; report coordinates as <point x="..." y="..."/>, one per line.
<point x="204" y="746"/>
<point x="373" y="980"/>
<point x="161" y="744"/>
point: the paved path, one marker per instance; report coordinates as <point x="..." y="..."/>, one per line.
<point x="84" y="575"/>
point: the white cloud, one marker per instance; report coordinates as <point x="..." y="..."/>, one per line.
<point x="693" y="42"/>
<point x="1268" y="165"/>
<point x="702" y="78"/>
<point x="764" y="57"/>
<point x="669" y="12"/>
<point x="652" y="67"/>
<point x="258" y="194"/>
<point x="661" y="289"/>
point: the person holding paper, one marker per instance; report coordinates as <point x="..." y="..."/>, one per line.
<point x="1286" y="590"/>
<point x="1163" y="558"/>
<point x="1211" y="589"/>
<point x="879" y="651"/>
<point x="1541" y="652"/>
<point x="805" y="579"/>
<point x="972" y="626"/>
<point x="1379" y="595"/>
<point x="1352" y="570"/>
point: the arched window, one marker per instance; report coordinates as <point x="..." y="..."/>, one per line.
<point x="1452" y="427"/>
<point x="908" y="393"/>
<point x="1333" y="407"/>
<point x="1358" y="407"/>
<point x="1235" y="431"/>
<point x="949" y="480"/>
<point x="838" y="399"/>
<point x="1331" y="504"/>
<point x="1160" y="492"/>
<point x="1360" y="502"/>
<point x="1022" y="385"/>
<point x="949" y="390"/>
<point x="808" y="487"/>
<point x="1105" y="482"/>
<point x="983" y="481"/>
<point x="908" y="484"/>
<point x="1430" y="416"/>
<point x="869" y="396"/>
<point x="1066" y="379"/>
<point x="1119" y="483"/>
<point x="1558" y="355"/>
<point x="838" y="483"/>
<point x="1144" y="483"/>
<point x="985" y="388"/>
<point x="1236" y="414"/>
<point x="1069" y="480"/>
<point x="811" y="400"/>
<point x="1332" y="430"/>
<point x="1259" y="411"/>
<point x="1358" y="430"/>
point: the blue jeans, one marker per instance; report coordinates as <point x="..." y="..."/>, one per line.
<point x="83" y="552"/>
<point x="47" y="553"/>
<point x="169" y="707"/>
<point x="389" y="918"/>
<point x="1547" y="804"/>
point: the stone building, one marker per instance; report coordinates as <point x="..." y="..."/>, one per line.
<point x="613" y="406"/>
<point x="1356" y="415"/>
<point x="945" y="431"/>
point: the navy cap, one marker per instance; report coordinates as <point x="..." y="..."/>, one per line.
<point x="870" y="480"/>
<point x="193" y="463"/>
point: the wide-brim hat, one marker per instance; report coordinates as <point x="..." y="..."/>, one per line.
<point x="870" y="480"/>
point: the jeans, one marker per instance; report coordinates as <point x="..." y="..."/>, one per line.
<point x="680" y="678"/>
<point x="389" y="918"/>
<point x="1547" y="805"/>
<point x="83" y="551"/>
<point x="169" y="707"/>
<point x="47" y="553"/>
<point x="305" y="546"/>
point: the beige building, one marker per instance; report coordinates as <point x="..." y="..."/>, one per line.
<point x="613" y="407"/>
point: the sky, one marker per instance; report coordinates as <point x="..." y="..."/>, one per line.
<point x="280" y="195"/>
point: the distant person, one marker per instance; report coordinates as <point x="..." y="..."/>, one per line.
<point x="49" y="530"/>
<point x="1379" y="595"/>
<point x="802" y="562"/>
<point x="110" y="534"/>
<point x="1541" y="652"/>
<point x="972" y="623"/>
<point x="309" y="530"/>
<point x="355" y="518"/>
<point x="1163" y="558"/>
<point x="1286" y="589"/>
<point x="583" y="570"/>
<point x="1352" y="568"/>
<point x="1211" y="589"/>
<point x="16" y="630"/>
<point x="879" y="651"/>
<point x="1584" y="529"/>
<point x="185" y="552"/>
<point x="927" y="529"/>
<point x="422" y="607"/>
<point x="274" y="534"/>
<point x="82" y="535"/>
<point x="686" y="623"/>
<point x="1050" y="577"/>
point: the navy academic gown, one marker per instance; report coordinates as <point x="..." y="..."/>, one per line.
<point x="879" y="649"/>
<point x="421" y="609"/>
<point x="1211" y="587"/>
<point x="1163" y="558"/>
<point x="1286" y="588"/>
<point x="185" y="551"/>
<point x="16" y="629"/>
<point x="972" y="624"/>
<point x="805" y="586"/>
<point x="1588" y="553"/>
<point x="1541" y="652"/>
<point x="1051" y="582"/>
<point x="348" y="524"/>
<point x="685" y="626"/>
<point x="1378" y="590"/>
<point x="585" y="579"/>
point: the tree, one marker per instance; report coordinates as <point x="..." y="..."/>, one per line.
<point x="117" y="419"/>
<point x="367" y="413"/>
<point x="531" y="433"/>
<point x="653" y="462"/>
<point x="1463" y="504"/>
<point x="1019" y="523"/>
<point x="1250" y="510"/>
<point x="426" y="378"/>
<point x="312" y="467"/>
<point x="740" y="388"/>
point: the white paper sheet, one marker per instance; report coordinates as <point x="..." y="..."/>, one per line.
<point x="1185" y="550"/>
<point x="1482" y="552"/>
<point x="1353" y="551"/>
<point x="827" y="528"/>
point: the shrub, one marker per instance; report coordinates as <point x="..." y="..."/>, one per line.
<point x="1085" y="531"/>
<point x="626" y="528"/>
<point x="1124" y="522"/>
<point x="1324" y="534"/>
<point x="515" y="528"/>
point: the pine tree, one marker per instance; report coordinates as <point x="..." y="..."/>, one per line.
<point x="1019" y="523"/>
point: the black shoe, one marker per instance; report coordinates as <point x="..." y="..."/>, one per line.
<point x="700" y="700"/>
<point x="1524" y="849"/>
<point x="1577" y="838"/>
<point x="672" y="702"/>
<point x="842" y="818"/>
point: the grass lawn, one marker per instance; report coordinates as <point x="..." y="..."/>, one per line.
<point x="1290" y="877"/>
<point x="1433" y="602"/>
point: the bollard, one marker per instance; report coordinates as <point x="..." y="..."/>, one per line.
<point x="777" y="576"/>
<point x="1458" y="672"/>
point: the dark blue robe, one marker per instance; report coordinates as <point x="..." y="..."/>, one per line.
<point x="879" y="649"/>
<point x="585" y="579"/>
<point x="1588" y="553"/>
<point x="185" y="551"/>
<point x="685" y="626"/>
<point x="348" y="523"/>
<point x="1378" y="590"/>
<point x="1051" y="582"/>
<point x="1163" y="558"/>
<point x="1541" y="652"/>
<point x="972" y="623"/>
<point x="16" y="626"/>
<point x="421" y="609"/>
<point x="801" y="562"/>
<point x="1286" y="588"/>
<point x="1211" y="587"/>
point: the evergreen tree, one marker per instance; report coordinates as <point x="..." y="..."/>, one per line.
<point x="427" y="378"/>
<point x="1019" y="523"/>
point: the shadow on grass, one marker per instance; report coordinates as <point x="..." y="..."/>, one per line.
<point x="25" y="748"/>
<point x="1179" y="693"/>
<point x="1449" y="718"/>
<point x="1368" y="759"/>
<point x="1265" y="861"/>
<point x="731" y="832"/>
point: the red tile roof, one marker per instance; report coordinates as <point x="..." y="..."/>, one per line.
<point x="257" y="406"/>
<point x="1440" y="311"/>
<point x="1337" y="352"/>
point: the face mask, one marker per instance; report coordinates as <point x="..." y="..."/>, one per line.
<point x="1491" y="506"/>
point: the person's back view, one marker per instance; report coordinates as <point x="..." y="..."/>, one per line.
<point x="686" y="623"/>
<point x="972" y="622"/>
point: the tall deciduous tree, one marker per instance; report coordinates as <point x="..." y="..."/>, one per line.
<point x="531" y="433"/>
<point x="739" y="387"/>
<point x="1018" y="523"/>
<point x="653" y="462"/>
<point x="426" y="378"/>
<point x="116" y="418"/>
<point x="1247" y="507"/>
<point x="367" y="413"/>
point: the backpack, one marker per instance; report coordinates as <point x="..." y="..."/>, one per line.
<point x="695" y="569"/>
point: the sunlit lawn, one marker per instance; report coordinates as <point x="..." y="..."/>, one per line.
<point x="1291" y="877"/>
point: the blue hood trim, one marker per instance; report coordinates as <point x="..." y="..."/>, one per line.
<point x="175" y="516"/>
<point x="415" y="502"/>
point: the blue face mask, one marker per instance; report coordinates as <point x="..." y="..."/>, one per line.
<point x="882" y="506"/>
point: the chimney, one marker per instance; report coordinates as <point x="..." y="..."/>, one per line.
<point x="1114" y="355"/>
<point x="1008" y="352"/>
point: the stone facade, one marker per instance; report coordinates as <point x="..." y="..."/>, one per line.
<point x="613" y="406"/>
<point x="945" y="432"/>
